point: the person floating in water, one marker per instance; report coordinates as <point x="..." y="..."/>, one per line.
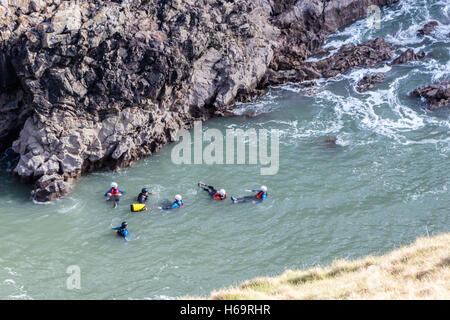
<point x="122" y="230"/>
<point x="178" y="203"/>
<point x="141" y="199"/>
<point x="216" y="195"/>
<point x="259" y="197"/>
<point x="143" y="196"/>
<point x="114" y="193"/>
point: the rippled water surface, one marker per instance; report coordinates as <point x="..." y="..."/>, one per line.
<point x="385" y="184"/>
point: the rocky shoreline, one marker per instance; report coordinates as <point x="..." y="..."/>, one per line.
<point x="88" y="85"/>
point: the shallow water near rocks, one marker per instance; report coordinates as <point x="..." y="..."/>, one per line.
<point x="386" y="183"/>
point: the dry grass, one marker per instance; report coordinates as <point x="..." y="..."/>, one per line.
<point x="418" y="271"/>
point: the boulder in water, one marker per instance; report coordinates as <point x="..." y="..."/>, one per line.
<point x="368" y="81"/>
<point x="331" y="142"/>
<point x="437" y="95"/>
<point x="409" y="55"/>
<point x="428" y="28"/>
<point x="50" y="187"/>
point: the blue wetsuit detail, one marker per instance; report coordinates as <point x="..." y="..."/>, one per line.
<point x="174" y="205"/>
<point x="120" y="231"/>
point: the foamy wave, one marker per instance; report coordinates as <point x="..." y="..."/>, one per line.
<point x="21" y="294"/>
<point x="265" y="104"/>
<point x="434" y="192"/>
<point x="69" y="208"/>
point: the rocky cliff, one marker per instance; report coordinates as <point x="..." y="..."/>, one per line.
<point x="85" y="85"/>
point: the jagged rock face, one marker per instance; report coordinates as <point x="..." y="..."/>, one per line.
<point x="437" y="95"/>
<point x="86" y="85"/>
<point x="409" y="55"/>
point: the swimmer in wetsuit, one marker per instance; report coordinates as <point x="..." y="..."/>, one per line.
<point x="213" y="192"/>
<point x="122" y="230"/>
<point x="259" y="197"/>
<point x="178" y="203"/>
<point x="114" y="193"/>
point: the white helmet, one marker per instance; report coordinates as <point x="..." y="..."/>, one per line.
<point x="113" y="184"/>
<point x="264" y="188"/>
<point x="178" y="197"/>
<point x="222" y="192"/>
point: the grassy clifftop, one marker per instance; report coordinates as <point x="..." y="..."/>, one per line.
<point x="417" y="271"/>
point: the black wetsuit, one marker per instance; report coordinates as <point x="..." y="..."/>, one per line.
<point x="259" y="197"/>
<point x="142" y="198"/>
<point x="210" y="189"/>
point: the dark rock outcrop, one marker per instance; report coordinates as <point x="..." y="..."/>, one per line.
<point x="437" y="95"/>
<point x="305" y="25"/>
<point x="331" y="142"/>
<point x="428" y="28"/>
<point x="369" y="81"/>
<point x="409" y="55"/>
<point x="85" y="85"/>
<point x="367" y="54"/>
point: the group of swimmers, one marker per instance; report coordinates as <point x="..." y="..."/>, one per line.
<point x="114" y="194"/>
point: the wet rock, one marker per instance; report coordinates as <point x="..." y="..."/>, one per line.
<point x="50" y="187"/>
<point x="331" y="142"/>
<point x="304" y="28"/>
<point x="408" y="55"/>
<point x="367" y="54"/>
<point x="428" y="28"/>
<point x="437" y="95"/>
<point x="368" y="81"/>
<point x="306" y="84"/>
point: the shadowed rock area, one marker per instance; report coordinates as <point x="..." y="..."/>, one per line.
<point x="86" y="85"/>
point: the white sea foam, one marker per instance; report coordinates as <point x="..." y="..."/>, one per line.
<point x="20" y="291"/>
<point x="48" y="203"/>
<point x="69" y="208"/>
<point x="433" y="192"/>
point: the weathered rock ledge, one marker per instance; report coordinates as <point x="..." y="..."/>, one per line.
<point x="85" y="85"/>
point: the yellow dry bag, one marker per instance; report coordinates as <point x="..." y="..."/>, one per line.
<point x="136" y="207"/>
